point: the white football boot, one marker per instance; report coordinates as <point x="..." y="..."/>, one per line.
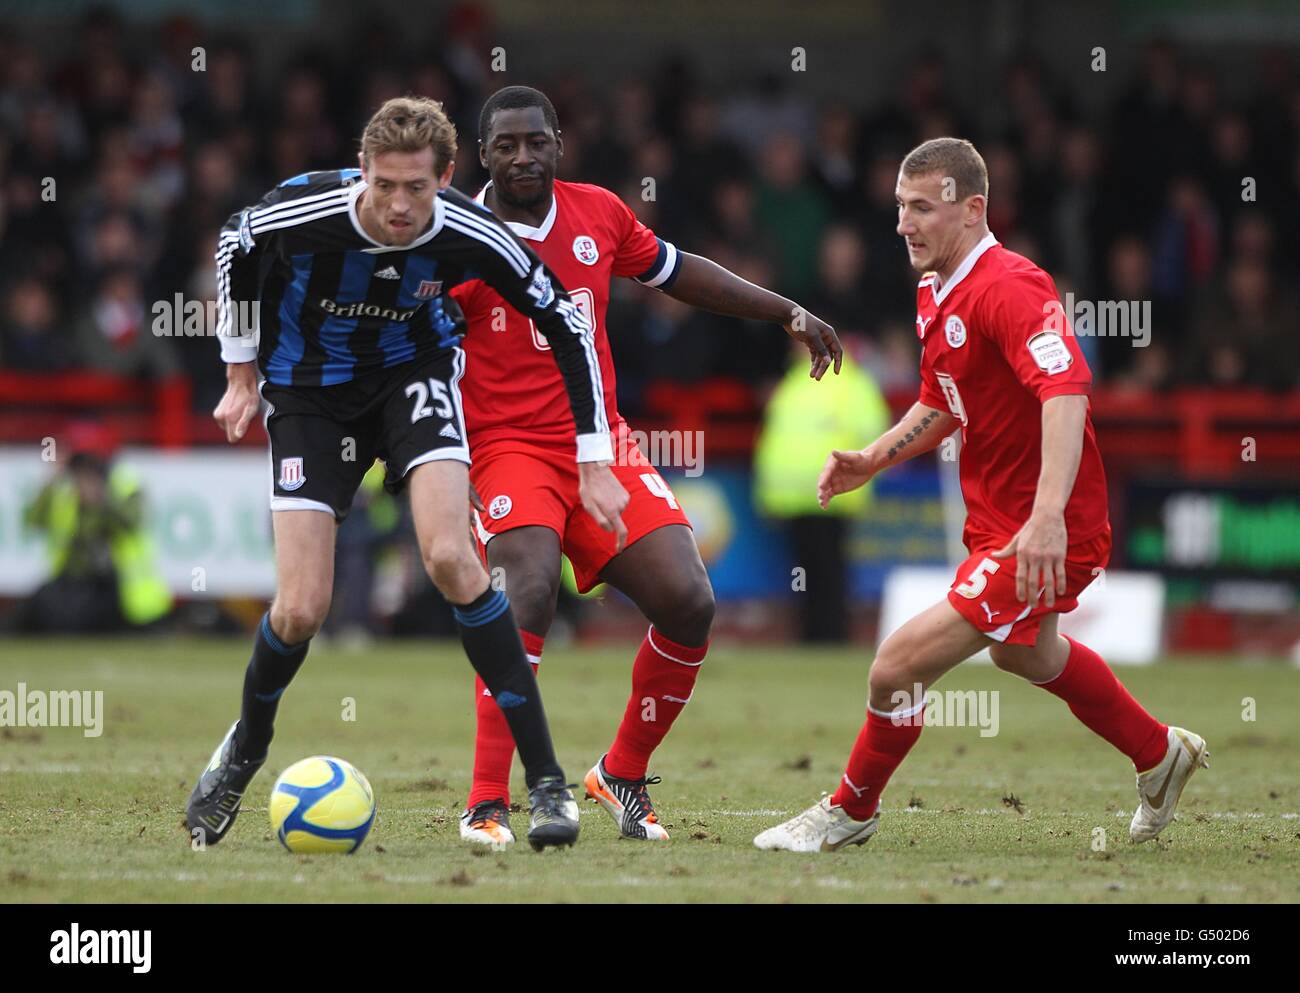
<point x="1160" y="788"/>
<point x="487" y="823"/>
<point x="820" y="828"/>
<point x="627" y="801"/>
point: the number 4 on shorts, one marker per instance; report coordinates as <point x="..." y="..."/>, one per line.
<point x="656" y="485"/>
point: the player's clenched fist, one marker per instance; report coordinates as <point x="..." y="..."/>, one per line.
<point x="240" y="403"/>
<point x="604" y="498"/>
<point x="844" y="471"/>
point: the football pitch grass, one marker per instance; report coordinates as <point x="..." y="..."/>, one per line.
<point x="1037" y="812"/>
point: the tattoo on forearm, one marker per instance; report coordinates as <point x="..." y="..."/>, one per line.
<point x="912" y="435"/>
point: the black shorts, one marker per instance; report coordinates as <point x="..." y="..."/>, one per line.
<point x="325" y="438"/>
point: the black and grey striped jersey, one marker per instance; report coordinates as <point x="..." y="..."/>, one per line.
<point x="316" y="301"/>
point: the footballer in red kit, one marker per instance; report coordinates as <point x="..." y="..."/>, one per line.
<point x="999" y="364"/>
<point x="523" y="469"/>
<point x="516" y="408"/>
<point x="988" y="361"/>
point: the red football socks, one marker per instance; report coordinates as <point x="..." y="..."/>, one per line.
<point x="663" y="678"/>
<point x="882" y="744"/>
<point x="1101" y="702"/>
<point x="1086" y="684"/>
<point x="494" y="746"/>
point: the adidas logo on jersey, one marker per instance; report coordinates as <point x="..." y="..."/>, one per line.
<point x="449" y="432"/>
<point x="388" y="273"/>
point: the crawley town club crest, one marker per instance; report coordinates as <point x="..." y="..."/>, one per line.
<point x="291" y="474"/>
<point x="428" y="289"/>
<point x="955" y="331"/>
<point x="585" y="250"/>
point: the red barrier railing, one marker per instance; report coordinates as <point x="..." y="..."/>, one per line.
<point x="1200" y="432"/>
<point x="140" y="412"/>
<point x="1195" y="432"/>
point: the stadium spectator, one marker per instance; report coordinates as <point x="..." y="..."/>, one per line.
<point x="50" y="142"/>
<point x="157" y="141"/>
<point x="1006" y="214"/>
<point x="1246" y="333"/>
<point x="1148" y="126"/>
<point x="23" y="73"/>
<point x="103" y="577"/>
<point x="115" y="331"/>
<point x="705" y="159"/>
<point x="1151" y="366"/>
<point x="834" y="157"/>
<point x="29" y="341"/>
<point x="804" y="420"/>
<point x="756" y="116"/>
<point x="875" y="218"/>
<point x="890" y="354"/>
<point x="840" y="296"/>
<point x="1077" y="212"/>
<point x="302" y="114"/>
<point x="791" y="211"/>
<point x="226" y="109"/>
<point x="1187" y="239"/>
<point x="148" y="155"/>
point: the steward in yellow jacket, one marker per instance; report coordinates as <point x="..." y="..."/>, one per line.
<point x="103" y="573"/>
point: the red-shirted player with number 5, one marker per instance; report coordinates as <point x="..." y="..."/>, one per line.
<point x="521" y="435"/>
<point x="998" y="363"/>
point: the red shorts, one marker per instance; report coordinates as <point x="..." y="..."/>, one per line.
<point x="984" y="590"/>
<point x="525" y="484"/>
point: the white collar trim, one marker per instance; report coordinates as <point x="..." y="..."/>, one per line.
<point x="963" y="270"/>
<point x="355" y="195"/>
<point x="524" y="230"/>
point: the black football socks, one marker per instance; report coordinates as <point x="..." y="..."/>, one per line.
<point x="491" y="640"/>
<point x="272" y="668"/>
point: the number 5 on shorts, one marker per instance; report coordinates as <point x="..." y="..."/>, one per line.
<point x="977" y="580"/>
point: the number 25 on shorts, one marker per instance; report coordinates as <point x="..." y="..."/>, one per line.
<point x="422" y="393"/>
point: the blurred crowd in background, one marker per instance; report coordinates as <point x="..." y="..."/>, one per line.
<point x="121" y="156"/>
<point x="1143" y="201"/>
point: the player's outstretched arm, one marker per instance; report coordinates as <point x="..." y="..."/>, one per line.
<point x="703" y="283"/>
<point x="920" y="430"/>
<point x="1040" y="545"/>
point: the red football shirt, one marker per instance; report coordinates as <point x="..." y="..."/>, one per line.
<point x="994" y="348"/>
<point x="512" y="386"/>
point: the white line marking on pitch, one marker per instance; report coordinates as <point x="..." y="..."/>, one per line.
<point x="1002" y="811"/>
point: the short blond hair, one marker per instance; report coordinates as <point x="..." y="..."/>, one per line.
<point x="955" y="157"/>
<point x="410" y="124"/>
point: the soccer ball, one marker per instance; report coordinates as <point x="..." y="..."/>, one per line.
<point x="322" y="804"/>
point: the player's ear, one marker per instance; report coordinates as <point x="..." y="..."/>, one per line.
<point x="976" y="209"/>
<point x="559" y="145"/>
<point x="445" y="179"/>
<point x="482" y="155"/>
<point x="361" y="161"/>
